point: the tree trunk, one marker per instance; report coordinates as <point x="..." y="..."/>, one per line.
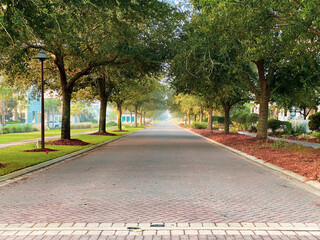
<point x="201" y="114"/>
<point x="65" y="128"/>
<point x="189" y="119"/>
<point x="136" y="116"/>
<point x="305" y="113"/>
<point x="119" y="108"/>
<point x="141" y="118"/>
<point x="131" y="119"/>
<point x="210" y="119"/>
<point x="3" y="105"/>
<point x="103" y="105"/>
<point x="263" y="101"/>
<point x="53" y="113"/>
<point x="195" y="117"/>
<point x="185" y="120"/>
<point x="144" y="118"/>
<point x="226" y="108"/>
<point x="263" y="116"/>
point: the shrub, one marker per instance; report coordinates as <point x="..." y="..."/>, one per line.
<point x="18" y="128"/>
<point x="253" y="129"/>
<point x="314" y="123"/>
<point x="286" y="126"/>
<point x="240" y="118"/>
<point x="218" y="119"/>
<point x="274" y="124"/>
<point x="278" y="144"/>
<point x="252" y="118"/>
<point x="28" y="128"/>
<point x="300" y="129"/>
<point x="15" y="122"/>
<point x="14" y="129"/>
<point x="199" y="125"/>
<point x="5" y="130"/>
<point x="316" y="135"/>
<point x="112" y="123"/>
<point x="281" y="144"/>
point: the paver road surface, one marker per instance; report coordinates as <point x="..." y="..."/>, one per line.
<point x="160" y="174"/>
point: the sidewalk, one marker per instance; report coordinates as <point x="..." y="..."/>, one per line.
<point x="11" y="144"/>
<point x="307" y="144"/>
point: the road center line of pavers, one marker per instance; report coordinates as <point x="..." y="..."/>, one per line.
<point x="296" y="229"/>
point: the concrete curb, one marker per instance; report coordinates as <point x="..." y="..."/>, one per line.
<point x="45" y="164"/>
<point x="288" y="173"/>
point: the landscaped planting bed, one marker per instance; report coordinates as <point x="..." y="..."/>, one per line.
<point x="296" y="158"/>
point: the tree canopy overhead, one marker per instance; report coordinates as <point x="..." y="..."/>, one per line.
<point x="254" y="40"/>
<point x="83" y="35"/>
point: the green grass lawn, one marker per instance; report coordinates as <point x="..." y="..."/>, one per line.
<point x="14" y="158"/>
<point x="13" y="137"/>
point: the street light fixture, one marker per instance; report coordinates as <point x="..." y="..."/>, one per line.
<point x="42" y="56"/>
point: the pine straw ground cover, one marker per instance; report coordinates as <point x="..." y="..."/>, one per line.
<point x="296" y="158"/>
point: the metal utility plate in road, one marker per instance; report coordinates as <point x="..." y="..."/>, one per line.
<point x="157" y="225"/>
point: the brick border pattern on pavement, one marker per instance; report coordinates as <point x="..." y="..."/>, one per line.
<point x="170" y="230"/>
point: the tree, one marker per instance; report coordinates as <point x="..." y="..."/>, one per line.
<point x="303" y="91"/>
<point x="121" y="92"/>
<point x="202" y="69"/>
<point x="314" y="123"/>
<point x="77" y="109"/>
<point x="73" y="35"/>
<point x="187" y="104"/>
<point x="10" y="101"/>
<point x="146" y="96"/>
<point x="52" y="106"/>
<point x="259" y="37"/>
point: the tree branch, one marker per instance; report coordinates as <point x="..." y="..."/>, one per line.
<point x="39" y="47"/>
<point x="251" y="86"/>
<point x="314" y="31"/>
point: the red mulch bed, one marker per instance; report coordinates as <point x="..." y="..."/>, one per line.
<point x="103" y="134"/>
<point x="302" y="160"/>
<point x="41" y="150"/>
<point x="71" y="142"/>
<point x="120" y="131"/>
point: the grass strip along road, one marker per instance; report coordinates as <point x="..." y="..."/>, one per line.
<point x="14" y="137"/>
<point x="14" y="158"/>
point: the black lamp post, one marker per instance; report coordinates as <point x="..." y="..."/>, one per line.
<point x="42" y="56"/>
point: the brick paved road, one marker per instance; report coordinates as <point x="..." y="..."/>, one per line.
<point x="162" y="174"/>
